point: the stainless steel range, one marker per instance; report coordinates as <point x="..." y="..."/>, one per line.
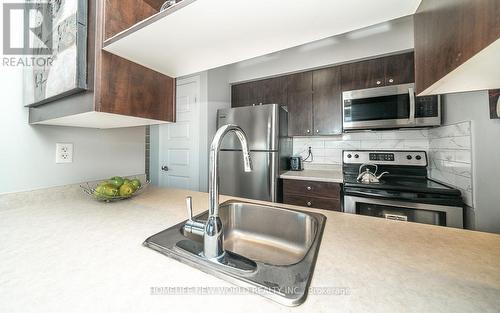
<point x="394" y="185"/>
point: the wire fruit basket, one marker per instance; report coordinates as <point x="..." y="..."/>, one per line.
<point x="90" y="190"/>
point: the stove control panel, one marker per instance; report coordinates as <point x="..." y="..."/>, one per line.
<point x="414" y="158"/>
<point x="378" y="156"/>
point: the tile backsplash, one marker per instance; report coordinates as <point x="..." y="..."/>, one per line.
<point x="448" y="147"/>
<point x="328" y="150"/>
<point x="450" y="157"/>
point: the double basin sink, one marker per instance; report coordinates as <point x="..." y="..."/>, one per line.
<point x="270" y="250"/>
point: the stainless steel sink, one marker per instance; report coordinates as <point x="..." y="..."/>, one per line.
<point x="270" y="250"/>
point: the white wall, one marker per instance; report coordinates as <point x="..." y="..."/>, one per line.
<point x="27" y="153"/>
<point x="380" y="39"/>
<point x="473" y="106"/>
<point x="218" y="96"/>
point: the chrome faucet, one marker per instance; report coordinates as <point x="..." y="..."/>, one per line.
<point x="212" y="229"/>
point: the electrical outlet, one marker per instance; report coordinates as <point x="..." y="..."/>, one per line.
<point x="64" y="153"/>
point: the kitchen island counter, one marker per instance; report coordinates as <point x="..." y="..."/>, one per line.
<point x="63" y="252"/>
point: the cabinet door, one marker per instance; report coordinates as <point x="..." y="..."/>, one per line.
<point x="255" y="92"/>
<point x="299" y="104"/>
<point x="399" y="69"/>
<point x="312" y="188"/>
<point x="274" y="90"/>
<point x="122" y="14"/>
<point x="266" y="91"/>
<point x="313" y="202"/>
<point x="126" y="88"/>
<point x="327" y="101"/>
<point x="448" y="33"/>
<point x="364" y="74"/>
<point x="240" y="95"/>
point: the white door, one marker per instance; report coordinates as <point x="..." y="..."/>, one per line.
<point x="179" y="141"/>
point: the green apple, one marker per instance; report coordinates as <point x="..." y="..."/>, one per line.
<point x="116" y="181"/>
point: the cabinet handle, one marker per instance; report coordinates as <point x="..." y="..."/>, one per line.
<point x="309" y="188"/>
<point x="164" y="168"/>
<point x="379" y="82"/>
<point x="309" y="203"/>
<point x="317" y="131"/>
<point x="391" y="80"/>
<point x="308" y="131"/>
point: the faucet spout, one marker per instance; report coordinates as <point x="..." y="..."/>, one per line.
<point x="213" y="237"/>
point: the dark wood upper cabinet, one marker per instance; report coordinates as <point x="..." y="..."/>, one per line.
<point x="122" y="14"/>
<point x="399" y="69"/>
<point x="124" y="87"/>
<point x="274" y="90"/>
<point x="363" y="74"/>
<point x="266" y="91"/>
<point x="130" y="89"/>
<point x="327" y="101"/>
<point x="299" y="102"/>
<point x="240" y="95"/>
<point x="390" y="70"/>
<point x="134" y="94"/>
<point x="448" y="33"/>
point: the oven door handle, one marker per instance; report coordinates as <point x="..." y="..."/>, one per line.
<point x="364" y="194"/>
<point x="411" y="93"/>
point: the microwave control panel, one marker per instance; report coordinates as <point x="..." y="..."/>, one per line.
<point x="427" y="106"/>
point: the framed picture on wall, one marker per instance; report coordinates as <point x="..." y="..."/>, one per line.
<point x="62" y="30"/>
<point x="494" y="103"/>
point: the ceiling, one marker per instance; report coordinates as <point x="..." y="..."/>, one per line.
<point x="211" y="33"/>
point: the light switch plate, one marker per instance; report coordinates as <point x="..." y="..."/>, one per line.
<point x="64" y="153"/>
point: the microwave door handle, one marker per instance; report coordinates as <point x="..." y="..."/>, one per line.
<point x="411" y="93"/>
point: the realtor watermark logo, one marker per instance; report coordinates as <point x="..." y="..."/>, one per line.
<point x="36" y="20"/>
<point x="27" y="31"/>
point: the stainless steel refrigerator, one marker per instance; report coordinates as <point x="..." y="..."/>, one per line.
<point x="266" y="127"/>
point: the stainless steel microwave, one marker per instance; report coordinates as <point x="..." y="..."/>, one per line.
<point x="389" y="107"/>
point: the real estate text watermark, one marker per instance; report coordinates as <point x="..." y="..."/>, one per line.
<point x="212" y="291"/>
<point x="27" y="34"/>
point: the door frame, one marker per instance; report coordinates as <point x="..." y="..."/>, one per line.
<point x="195" y="131"/>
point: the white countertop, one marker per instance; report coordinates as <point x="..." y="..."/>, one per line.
<point x="323" y="173"/>
<point x="63" y="252"/>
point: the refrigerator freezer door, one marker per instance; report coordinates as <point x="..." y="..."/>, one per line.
<point x="260" y="184"/>
<point x="260" y="124"/>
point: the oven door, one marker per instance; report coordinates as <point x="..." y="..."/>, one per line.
<point x="382" y="107"/>
<point x="405" y="211"/>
